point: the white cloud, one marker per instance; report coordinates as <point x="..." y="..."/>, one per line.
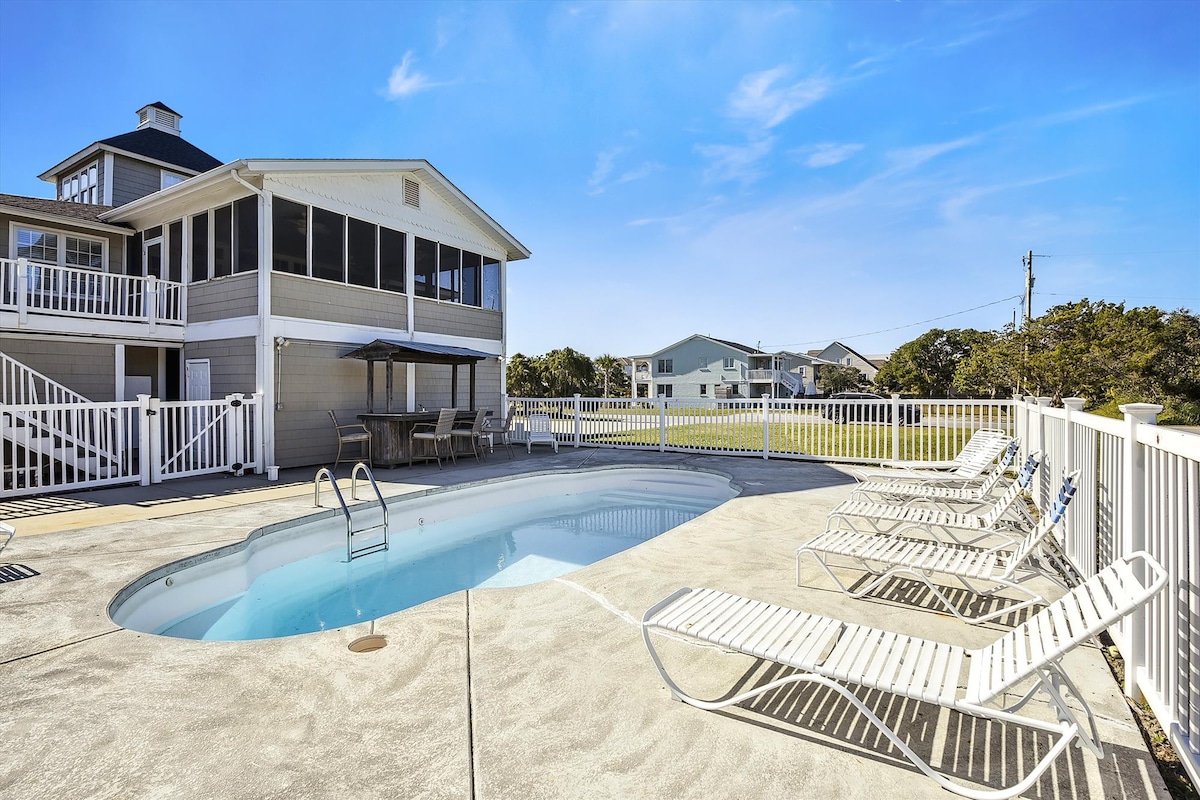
<point x="758" y="100"/>
<point x="644" y="170"/>
<point x="606" y="160"/>
<point x="912" y="157"/>
<point x="406" y="81"/>
<point x="827" y="154"/>
<point x="733" y="162"/>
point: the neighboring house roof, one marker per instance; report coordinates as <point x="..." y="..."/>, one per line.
<point x="159" y="104"/>
<point x="163" y="146"/>
<point x="150" y="144"/>
<point x="436" y="181"/>
<point x="849" y="350"/>
<point x="734" y="345"/>
<point x="40" y="208"/>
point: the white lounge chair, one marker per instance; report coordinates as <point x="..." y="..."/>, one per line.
<point x="903" y="491"/>
<point x="988" y="517"/>
<point x="538" y="432"/>
<point x="886" y="556"/>
<point x="6" y="533"/>
<point x="833" y="653"/>
<point x="972" y="465"/>
<point x="978" y="440"/>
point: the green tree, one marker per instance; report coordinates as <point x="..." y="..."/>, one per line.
<point x="568" y="372"/>
<point x="611" y="377"/>
<point x="926" y="365"/>
<point x="990" y="368"/>
<point x="523" y="376"/>
<point x="835" y="378"/>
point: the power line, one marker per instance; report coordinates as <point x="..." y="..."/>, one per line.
<point x="828" y="339"/>
<point x="1125" y="296"/>
<point x="1127" y="253"/>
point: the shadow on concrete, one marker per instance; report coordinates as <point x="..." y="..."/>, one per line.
<point x="912" y="593"/>
<point x="16" y="572"/>
<point x="961" y="747"/>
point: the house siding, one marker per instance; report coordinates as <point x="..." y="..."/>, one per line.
<point x="224" y="298"/>
<point x="231" y="364"/>
<point x="311" y="298"/>
<point x="314" y="379"/>
<point x="115" y="247"/>
<point x="431" y="316"/>
<point x="433" y="385"/>
<point x="688" y="375"/>
<point x="133" y="179"/>
<point x="86" y="368"/>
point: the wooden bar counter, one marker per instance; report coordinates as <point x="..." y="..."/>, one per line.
<point x="390" y="432"/>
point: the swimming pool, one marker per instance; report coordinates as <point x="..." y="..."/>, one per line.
<point x="293" y="577"/>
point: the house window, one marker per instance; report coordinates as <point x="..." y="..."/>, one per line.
<point x="62" y="249"/>
<point x="222" y="241"/>
<point x="703" y="362"/>
<point x="449" y="266"/>
<point x="665" y="390"/>
<point x="666" y="365"/>
<point x="169" y="179"/>
<point x="391" y="260"/>
<point x="727" y="363"/>
<point x="425" y="268"/>
<point x="289" y="236"/>
<point x="704" y="390"/>
<point x="360" y="253"/>
<point x="175" y="251"/>
<point x="491" y="284"/>
<point x="245" y="232"/>
<point x="83" y="186"/>
<point x="200" y="247"/>
<point x="328" y="245"/>
<point x="471" y="265"/>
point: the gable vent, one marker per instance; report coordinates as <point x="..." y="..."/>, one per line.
<point x="412" y="193"/>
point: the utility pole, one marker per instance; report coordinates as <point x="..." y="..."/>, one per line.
<point x="1028" y="262"/>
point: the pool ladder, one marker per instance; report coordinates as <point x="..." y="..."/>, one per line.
<point x="351" y="551"/>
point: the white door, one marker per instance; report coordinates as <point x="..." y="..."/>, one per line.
<point x="196" y="380"/>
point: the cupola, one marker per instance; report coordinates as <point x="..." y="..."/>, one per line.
<point x="159" y="117"/>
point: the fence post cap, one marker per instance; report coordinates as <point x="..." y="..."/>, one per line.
<point x="1044" y="401"/>
<point x="1142" y="412"/>
<point x="1073" y="403"/>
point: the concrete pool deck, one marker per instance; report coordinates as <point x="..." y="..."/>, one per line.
<point x="543" y="691"/>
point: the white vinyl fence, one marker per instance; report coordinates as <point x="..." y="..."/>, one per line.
<point x="52" y="447"/>
<point x="823" y="430"/>
<point x="1139" y="490"/>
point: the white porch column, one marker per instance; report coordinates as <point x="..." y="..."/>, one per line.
<point x="119" y="369"/>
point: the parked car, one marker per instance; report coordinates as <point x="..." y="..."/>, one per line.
<point x="865" y="411"/>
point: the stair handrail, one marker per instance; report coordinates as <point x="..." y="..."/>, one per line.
<point x="10" y="368"/>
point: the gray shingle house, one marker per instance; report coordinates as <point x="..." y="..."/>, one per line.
<point x="160" y="269"/>
<point x="704" y="367"/>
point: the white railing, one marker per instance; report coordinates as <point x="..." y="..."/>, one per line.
<point x="789" y="379"/>
<point x="825" y="430"/>
<point x="67" y="446"/>
<point x="1139" y="490"/>
<point x="28" y="287"/>
<point x="21" y="385"/>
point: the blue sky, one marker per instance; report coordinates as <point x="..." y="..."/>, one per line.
<point x="783" y="174"/>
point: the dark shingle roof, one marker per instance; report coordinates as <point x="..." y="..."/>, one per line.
<point x="735" y="345"/>
<point x="168" y="109"/>
<point x="86" y="212"/>
<point x="163" y="146"/>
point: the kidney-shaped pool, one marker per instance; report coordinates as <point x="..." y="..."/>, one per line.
<point x="294" y="577"/>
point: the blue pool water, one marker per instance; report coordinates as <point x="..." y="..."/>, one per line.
<point x="509" y="547"/>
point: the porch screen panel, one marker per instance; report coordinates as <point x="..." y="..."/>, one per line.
<point x="328" y="245"/>
<point x="245" y="234"/>
<point x="391" y="260"/>
<point x="449" y="264"/>
<point x="491" y="284"/>
<point x="223" y="241"/>
<point x="133" y="254"/>
<point x="425" y="268"/>
<point x="175" y="251"/>
<point x="200" y="247"/>
<point x="289" y="236"/>
<point x="472" y="264"/>
<point x="360" y="253"/>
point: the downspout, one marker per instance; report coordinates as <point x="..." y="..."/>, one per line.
<point x="264" y="340"/>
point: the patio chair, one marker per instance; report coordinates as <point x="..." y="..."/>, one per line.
<point x="842" y="656"/>
<point x="904" y="491"/>
<point x="979" y="439"/>
<point x="985" y="519"/>
<point x="6" y="534"/>
<point x="969" y="469"/>
<point x="437" y="433"/>
<point x="474" y="432"/>
<point x="351" y="434"/>
<point x="503" y="431"/>
<point x="539" y="432"/>
<point x="887" y="556"/>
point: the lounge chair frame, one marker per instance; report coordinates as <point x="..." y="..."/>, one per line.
<point x="904" y="491"/>
<point x="539" y="432"/>
<point x="887" y="556"/>
<point x="832" y="653"/>
<point x="973" y="464"/>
